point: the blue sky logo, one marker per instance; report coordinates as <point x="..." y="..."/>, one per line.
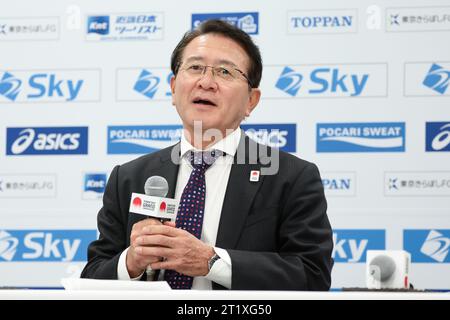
<point x="437" y="136"/>
<point x="94" y="185"/>
<point x="147" y="84"/>
<point x="351" y="245"/>
<point x="361" y="137"/>
<point x="289" y="81"/>
<point x="427" y="246"/>
<point x="323" y="81"/>
<point x="10" y="86"/>
<point x="437" y="78"/>
<point x="142" y="139"/>
<point x="45" y="245"/>
<point x="281" y="136"/>
<point x="246" y="21"/>
<point x="74" y="85"/>
<point x="46" y="141"/>
<point x="98" y="24"/>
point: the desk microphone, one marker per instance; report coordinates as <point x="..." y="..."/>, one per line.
<point x="388" y="269"/>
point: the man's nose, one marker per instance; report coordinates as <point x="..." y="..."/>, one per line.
<point x="207" y="79"/>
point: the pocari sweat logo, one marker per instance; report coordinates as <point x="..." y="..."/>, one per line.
<point x="361" y="137"/>
<point x="313" y="81"/>
<point x="437" y="78"/>
<point x="49" y="86"/>
<point x="246" y="21"/>
<point x="45" y="245"/>
<point x="46" y="141"/>
<point x="351" y="245"/>
<point x="94" y="185"/>
<point x="98" y="24"/>
<point x="427" y="246"/>
<point x="281" y="136"/>
<point x="437" y="136"/>
<point x="142" y="139"/>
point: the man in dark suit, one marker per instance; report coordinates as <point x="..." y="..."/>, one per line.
<point x="250" y="217"/>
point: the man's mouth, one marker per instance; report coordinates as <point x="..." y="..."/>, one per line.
<point x="204" y="102"/>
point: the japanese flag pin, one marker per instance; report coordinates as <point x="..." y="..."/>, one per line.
<point x="254" y="175"/>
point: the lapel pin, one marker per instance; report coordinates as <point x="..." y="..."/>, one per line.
<point x="254" y="175"/>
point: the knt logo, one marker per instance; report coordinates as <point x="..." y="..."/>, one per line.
<point x="47" y="140"/>
<point x="98" y="24"/>
<point x="45" y="245"/>
<point x="94" y="185"/>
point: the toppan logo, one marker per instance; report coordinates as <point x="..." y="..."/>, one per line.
<point x="437" y="78"/>
<point x="332" y="81"/>
<point x="361" y="137"/>
<point x="322" y="21"/>
<point x="437" y="136"/>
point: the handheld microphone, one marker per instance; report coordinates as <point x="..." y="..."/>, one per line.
<point x="388" y="269"/>
<point x="153" y="203"/>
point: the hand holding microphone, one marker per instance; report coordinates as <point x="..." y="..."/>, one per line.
<point x="158" y="209"/>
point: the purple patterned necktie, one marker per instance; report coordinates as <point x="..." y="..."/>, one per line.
<point x="191" y="209"/>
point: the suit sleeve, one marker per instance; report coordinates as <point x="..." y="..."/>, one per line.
<point x="303" y="260"/>
<point x="104" y="253"/>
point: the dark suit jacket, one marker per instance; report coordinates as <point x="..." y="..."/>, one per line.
<point x="276" y="230"/>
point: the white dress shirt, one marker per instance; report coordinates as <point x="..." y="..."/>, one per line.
<point x="216" y="184"/>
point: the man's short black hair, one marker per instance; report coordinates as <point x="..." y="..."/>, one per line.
<point x="225" y="29"/>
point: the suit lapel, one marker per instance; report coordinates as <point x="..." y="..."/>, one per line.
<point x="239" y="194"/>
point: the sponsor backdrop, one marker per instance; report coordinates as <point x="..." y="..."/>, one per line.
<point x="361" y="88"/>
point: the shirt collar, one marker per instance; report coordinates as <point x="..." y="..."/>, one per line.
<point x="227" y="145"/>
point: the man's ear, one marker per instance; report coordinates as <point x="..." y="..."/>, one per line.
<point x="172" y="89"/>
<point x="253" y="101"/>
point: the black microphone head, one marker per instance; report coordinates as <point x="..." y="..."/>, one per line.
<point x="382" y="267"/>
<point x="156" y="186"/>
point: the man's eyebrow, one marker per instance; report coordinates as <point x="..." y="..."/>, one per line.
<point x="219" y="62"/>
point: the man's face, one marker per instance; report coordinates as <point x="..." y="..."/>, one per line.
<point x="217" y="103"/>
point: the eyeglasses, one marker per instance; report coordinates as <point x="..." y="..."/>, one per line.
<point x="227" y="74"/>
